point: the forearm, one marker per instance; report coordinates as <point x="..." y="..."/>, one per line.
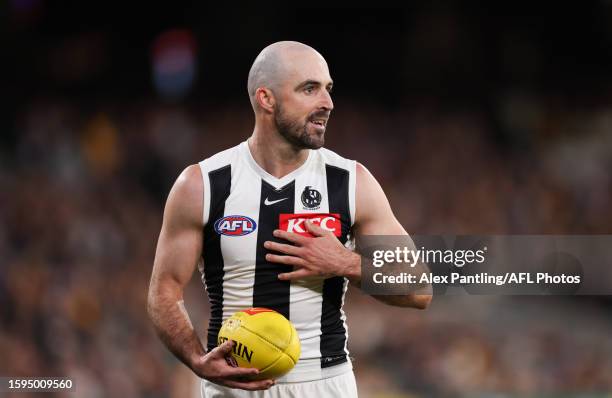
<point x="412" y="300"/>
<point x="419" y="299"/>
<point x="167" y="311"/>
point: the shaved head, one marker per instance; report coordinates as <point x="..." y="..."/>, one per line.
<point x="270" y="67"/>
<point x="289" y="87"/>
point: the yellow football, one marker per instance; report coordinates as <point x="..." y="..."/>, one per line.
<point x="264" y="339"/>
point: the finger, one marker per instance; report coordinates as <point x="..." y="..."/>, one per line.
<point x="249" y="385"/>
<point x="287" y="260"/>
<point x="231" y="371"/>
<point x="299" y="274"/>
<point x="290" y="236"/>
<point x="222" y="350"/>
<point x="281" y="247"/>
<point x="315" y="229"/>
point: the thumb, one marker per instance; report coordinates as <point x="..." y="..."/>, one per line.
<point x="315" y="229"/>
<point x="224" y="349"/>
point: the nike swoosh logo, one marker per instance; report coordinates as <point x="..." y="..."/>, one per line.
<point x="271" y="202"/>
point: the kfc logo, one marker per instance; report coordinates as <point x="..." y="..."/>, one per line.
<point x="296" y="223"/>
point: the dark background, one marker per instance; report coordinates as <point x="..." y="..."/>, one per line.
<point x="475" y="118"/>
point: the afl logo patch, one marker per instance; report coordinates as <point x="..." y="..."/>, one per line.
<point x="235" y="225"/>
<point x="311" y="198"/>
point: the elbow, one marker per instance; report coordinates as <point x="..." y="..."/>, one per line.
<point x="422" y="301"/>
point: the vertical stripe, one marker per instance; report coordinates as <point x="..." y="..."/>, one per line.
<point x="220" y="184"/>
<point x="269" y="291"/>
<point x="333" y="331"/>
<point x="239" y="251"/>
<point x="338" y="192"/>
<point x="306" y="294"/>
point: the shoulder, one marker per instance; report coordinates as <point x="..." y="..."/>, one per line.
<point x="331" y="158"/>
<point x="184" y="204"/>
<point x="374" y="213"/>
<point x="189" y="183"/>
<point x="362" y="171"/>
<point x="220" y="159"/>
<point x="365" y="180"/>
<point x="370" y="196"/>
<point x="368" y="191"/>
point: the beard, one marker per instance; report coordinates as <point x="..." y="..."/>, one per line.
<point x="296" y="131"/>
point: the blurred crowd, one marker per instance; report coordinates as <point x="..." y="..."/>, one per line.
<point x="82" y="198"/>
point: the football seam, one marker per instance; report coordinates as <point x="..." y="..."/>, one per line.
<point x="271" y="344"/>
<point x="277" y="359"/>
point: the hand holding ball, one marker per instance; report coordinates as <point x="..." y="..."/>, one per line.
<point x="263" y="339"/>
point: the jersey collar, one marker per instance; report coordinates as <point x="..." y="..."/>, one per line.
<point x="276" y="182"/>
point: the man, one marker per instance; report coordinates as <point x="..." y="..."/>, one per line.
<point x="277" y="211"/>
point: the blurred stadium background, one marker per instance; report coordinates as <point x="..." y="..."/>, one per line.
<point x="474" y="118"/>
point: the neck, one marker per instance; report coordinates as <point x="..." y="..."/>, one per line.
<point x="274" y="154"/>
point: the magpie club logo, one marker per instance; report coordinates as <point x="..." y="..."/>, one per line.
<point x="311" y="198"/>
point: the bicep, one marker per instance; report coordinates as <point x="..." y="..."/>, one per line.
<point x="179" y="246"/>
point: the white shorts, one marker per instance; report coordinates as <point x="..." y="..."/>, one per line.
<point x="343" y="385"/>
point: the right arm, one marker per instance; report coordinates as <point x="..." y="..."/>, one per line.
<point x="179" y="249"/>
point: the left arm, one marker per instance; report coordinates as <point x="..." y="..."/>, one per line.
<point x="375" y="217"/>
<point x="324" y="255"/>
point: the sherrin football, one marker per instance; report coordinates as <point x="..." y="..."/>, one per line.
<point x="264" y="339"/>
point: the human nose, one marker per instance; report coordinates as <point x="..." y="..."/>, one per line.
<point x="326" y="101"/>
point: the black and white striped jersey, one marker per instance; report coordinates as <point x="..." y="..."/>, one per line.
<point x="243" y="205"/>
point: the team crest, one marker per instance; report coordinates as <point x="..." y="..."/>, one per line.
<point x="311" y="198"/>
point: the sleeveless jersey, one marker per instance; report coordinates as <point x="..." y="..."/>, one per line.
<point x="243" y="205"/>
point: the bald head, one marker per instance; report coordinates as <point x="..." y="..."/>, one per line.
<point x="273" y="64"/>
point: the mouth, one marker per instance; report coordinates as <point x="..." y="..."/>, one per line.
<point x="318" y="123"/>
